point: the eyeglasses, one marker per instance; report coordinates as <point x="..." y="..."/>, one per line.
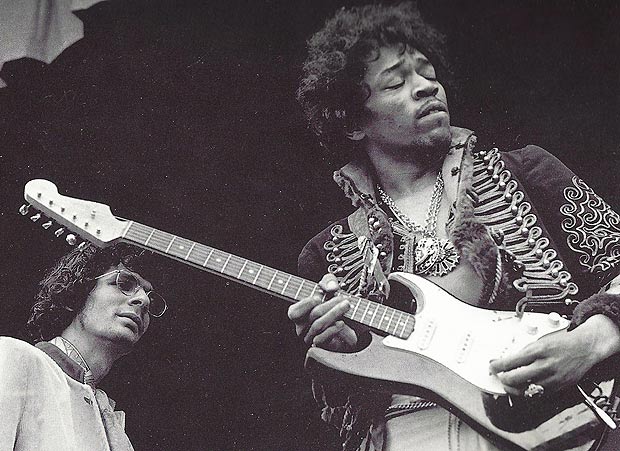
<point x="129" y="285"/>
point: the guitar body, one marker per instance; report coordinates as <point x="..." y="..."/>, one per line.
<point x="446" y="360"/>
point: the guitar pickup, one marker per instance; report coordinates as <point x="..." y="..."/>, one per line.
<point x="426" y="332"/>
<point x="465" y="347"/>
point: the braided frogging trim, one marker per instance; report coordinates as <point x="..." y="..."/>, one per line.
<point x="381" y="235"/>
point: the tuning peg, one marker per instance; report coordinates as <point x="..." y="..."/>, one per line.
<point x="59" y="232"/>
<point x="36" y="217"/>
<point x="71" y="239"/>
<point x="47" y="225"/>
<point x="23" y="210"/>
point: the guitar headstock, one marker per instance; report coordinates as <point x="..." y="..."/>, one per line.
<point x="91" y="220"/>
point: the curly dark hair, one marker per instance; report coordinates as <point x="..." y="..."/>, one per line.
<point x="65" y="287"/>
<point x="332" y="92"/>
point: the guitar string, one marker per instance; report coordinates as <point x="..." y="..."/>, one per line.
<point x="163" y="240"/>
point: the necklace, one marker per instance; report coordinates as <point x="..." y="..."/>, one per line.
<point x="433" y="256"/>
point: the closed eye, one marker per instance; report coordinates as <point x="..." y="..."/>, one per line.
<point x="428" y="73"/>
<point x="395" y="86"/>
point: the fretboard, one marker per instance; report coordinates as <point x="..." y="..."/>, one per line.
<point x="278" y="283"/>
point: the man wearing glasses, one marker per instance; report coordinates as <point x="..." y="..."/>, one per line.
<point x="92" y="308"/>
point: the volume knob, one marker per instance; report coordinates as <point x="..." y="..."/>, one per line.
<point x="554" y="319"/>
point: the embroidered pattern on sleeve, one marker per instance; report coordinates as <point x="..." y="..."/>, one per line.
<point x="593" y="228"/>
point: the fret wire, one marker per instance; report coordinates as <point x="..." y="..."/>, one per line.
<point x="365" y="310"/>
<point x="313" y="290"/>
<point x="402" y="323"/>
<point x="271" y="281"/>
<point x="170" y="244"/>
<point x="150" y="235"/>
<point x="254" y="269"/>
<point x="200" y="252"/>
<point x="384" y="311"/>
<point x="257" y="274"/>
<point x="242" y="268"/>
<point x="127" y="229"/>
<point x="396" y="324"/>
<point x="138" y="231"/>
<point x="295" y="287"/>
<point x="233" y="264"/>
<point x="137" y="228"/>
<point x="406" y="323"/>
<point x="357" y="305"/>
<point x="144" y="237"/>
<point x="385" y="317"/>
<point x="218" y="259"/>
<point x="409" y="319"/>
<point x="208" y="257"/>
<point x="160" y="240"/>
<point x="226" y="262"/>
<point x="179" y="249"/>
<point x="390" y="321"/>
<point x="286" y="284"/>
<point x="299" y="289"/>
<point x="163" y="239"/>
<point x="190" y="250"/>
<point x="374" y="314"/>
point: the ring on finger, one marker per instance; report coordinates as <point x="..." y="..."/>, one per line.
<point x="534" y="391"/>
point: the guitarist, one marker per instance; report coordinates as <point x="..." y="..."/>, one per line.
<point x="93" y="307"/>
<point x="492" y="228"/>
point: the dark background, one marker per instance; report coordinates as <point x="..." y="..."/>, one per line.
<point x="181" y="115"/>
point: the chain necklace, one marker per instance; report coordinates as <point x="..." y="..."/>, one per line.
<point x="433" y="256"/>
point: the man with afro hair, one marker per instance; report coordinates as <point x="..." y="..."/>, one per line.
<point x="499" y="230"/>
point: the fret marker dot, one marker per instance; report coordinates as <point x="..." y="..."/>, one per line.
<point x="251" y="271"/>
<point x="181" y="247"/>
<point x="280" y="281"/>
<point x="218" y="259"/>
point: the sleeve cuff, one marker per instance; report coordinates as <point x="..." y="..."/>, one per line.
<point x="601" y="303"/>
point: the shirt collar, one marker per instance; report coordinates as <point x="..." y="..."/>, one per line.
<point x="359" y="175"/>
<point x="69" y="359"/>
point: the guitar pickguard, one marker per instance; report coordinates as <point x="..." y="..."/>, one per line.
<point x="464" y="338"/>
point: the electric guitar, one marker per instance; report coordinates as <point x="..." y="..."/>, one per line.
<point x="441" y="352"/>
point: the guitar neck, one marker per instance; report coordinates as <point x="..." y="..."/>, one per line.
<point x="275" y="282"/>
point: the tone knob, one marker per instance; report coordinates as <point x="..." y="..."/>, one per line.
<point x="554" y="319"/>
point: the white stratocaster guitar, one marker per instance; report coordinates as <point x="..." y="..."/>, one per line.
<point x="441" y="352"/>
